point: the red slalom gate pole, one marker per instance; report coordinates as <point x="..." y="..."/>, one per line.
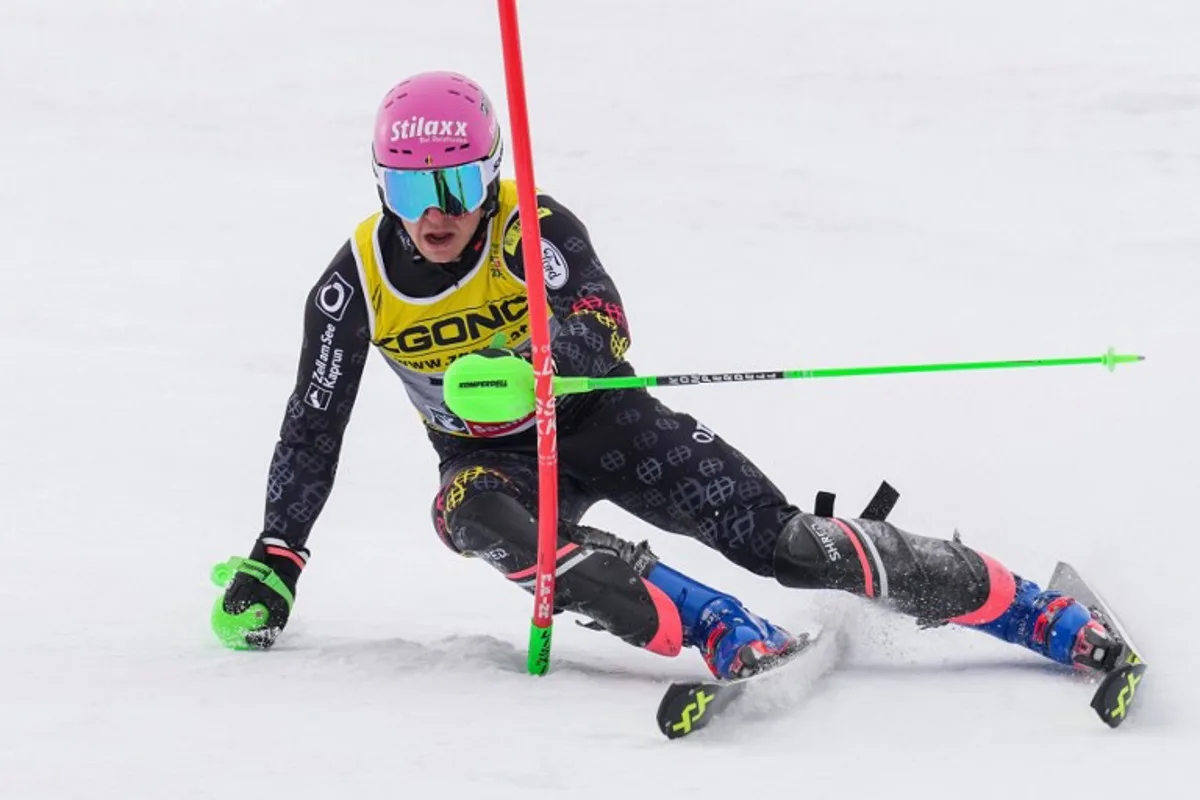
<point x="543" y="367"/>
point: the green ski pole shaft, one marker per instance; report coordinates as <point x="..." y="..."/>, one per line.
<point x="576" y="385"/>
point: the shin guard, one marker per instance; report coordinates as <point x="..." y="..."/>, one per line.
<point x="599" y="575"/>
<point x="934" y="580"/>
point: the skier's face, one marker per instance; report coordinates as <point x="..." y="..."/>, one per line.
<point x="441" y="237"/>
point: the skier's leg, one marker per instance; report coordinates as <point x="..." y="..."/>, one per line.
<point x="486" y="509"/>
<point x="677" y="475"/>
<point x="939" y="581"/>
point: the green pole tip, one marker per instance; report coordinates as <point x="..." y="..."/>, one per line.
<point x="538" y="658"/>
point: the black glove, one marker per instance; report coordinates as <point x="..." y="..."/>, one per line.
<point x="259" y="593"/>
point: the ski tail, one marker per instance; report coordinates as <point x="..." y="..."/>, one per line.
<point x="689" y="706"/>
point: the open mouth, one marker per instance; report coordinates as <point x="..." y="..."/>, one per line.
<point x="438" y="239"/>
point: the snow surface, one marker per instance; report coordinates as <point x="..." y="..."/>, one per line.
<point x="791" y="184"/>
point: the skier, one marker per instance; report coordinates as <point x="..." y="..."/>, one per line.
<point x="437" y="274"/>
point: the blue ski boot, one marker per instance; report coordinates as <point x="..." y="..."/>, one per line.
<point x="1056" y="626"/>
<point x="734" y="642"/>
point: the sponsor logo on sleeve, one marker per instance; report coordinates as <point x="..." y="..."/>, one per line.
<point x="326" y="371"/>
<point x="334" y="296"/>
<point x="554" y="266"/>
<point x="317" y="397"/>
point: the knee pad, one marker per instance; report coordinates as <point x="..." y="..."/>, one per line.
<point x="599" y="575"/>
<point x="933" y="579"/>
<point x="466" y="483"/>
<point x="487" y="520"/>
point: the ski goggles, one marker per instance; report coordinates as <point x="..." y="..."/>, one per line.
<point x="409" y="193"/>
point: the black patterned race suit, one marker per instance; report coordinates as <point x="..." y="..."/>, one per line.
<point x="661" y="465"/>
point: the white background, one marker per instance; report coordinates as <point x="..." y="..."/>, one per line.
<point x="787" y="185"/>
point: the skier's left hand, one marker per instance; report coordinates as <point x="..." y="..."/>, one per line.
<point x="258" y="597"/>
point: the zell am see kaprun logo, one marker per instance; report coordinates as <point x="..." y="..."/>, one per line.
<point x="435" y="130"/>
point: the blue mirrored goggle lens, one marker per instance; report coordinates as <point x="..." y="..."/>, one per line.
<point x="454" y="190"/>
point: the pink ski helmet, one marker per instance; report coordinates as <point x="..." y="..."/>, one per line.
<point x="437" y="145"/>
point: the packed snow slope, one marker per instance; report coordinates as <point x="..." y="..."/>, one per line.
<point x="784" y="185"/>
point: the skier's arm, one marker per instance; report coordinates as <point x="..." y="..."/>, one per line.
<point x="335" y="347"/>
<point x="593" y="333"/>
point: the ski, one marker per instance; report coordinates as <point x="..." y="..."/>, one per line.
<point x="690" y="706"/>
<point x="1115" y="696"/>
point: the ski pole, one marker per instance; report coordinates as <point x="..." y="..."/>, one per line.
<point x="564" y="385"/>
<point x="500" y="390"/>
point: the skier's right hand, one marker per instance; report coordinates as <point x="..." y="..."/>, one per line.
<point x="259" y="593"/>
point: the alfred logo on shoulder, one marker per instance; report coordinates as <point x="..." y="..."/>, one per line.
<point x="334" y="296"/>
<point x="554" y="266"/>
